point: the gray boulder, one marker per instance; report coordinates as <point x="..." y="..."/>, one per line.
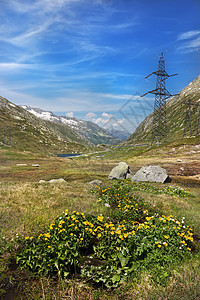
<point x="151" y="174"/>
<point x="129" y="175"/>
<point x="120" y="171"/>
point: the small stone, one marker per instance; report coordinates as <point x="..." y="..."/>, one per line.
<point x="60" y="180"/>
<point x="35" y="165"/>
<point x="179" y="160"/>
<point x="95" y="182"/>
<point x="42" y="181"/>
<point x="21" y="165"/>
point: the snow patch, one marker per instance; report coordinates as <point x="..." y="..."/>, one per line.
<point x="45" y="115"/>
<point x="69" y="122"/>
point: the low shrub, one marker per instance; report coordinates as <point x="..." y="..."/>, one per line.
<point x="108" y="249"/>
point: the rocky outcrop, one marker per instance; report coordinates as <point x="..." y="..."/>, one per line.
<point x="151" y="174"/>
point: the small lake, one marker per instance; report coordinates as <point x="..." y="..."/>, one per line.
<point x="68" y="155"/>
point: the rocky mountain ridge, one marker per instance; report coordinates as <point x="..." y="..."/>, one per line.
<point x="27" y="132"/>
<point x="86" y="129"/>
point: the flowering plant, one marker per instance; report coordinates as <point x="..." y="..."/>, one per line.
<point x="116" y="245"/>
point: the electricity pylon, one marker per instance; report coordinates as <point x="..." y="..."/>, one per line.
<point x="159" y="125"/>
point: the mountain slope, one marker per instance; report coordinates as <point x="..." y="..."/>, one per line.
<point x="176" y="116"/>
<point x="88" y="130"/>
<point x="27" y="132"/>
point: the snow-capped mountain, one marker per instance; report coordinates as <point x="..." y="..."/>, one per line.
<point x="24" y="131"/>
<point x="91" y="131"/>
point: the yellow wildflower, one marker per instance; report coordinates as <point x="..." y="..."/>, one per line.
<point x="51" y="226"/>
<point x="100" y="218"/>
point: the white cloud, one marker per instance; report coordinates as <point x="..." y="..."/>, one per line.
<point x="191" y="46"/>
<point x="106" y="115"/>
<point x="70" y="114"/>
<point x="91" y="115"/>
<point x="190" y="41"/>
<point x="195" y="43"/>
<point x="188" y="34"/>
<point x="6" y="67"/>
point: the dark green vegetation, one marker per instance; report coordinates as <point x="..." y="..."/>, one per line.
<point x="28" y="208"/>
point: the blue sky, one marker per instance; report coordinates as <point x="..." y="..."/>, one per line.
<point x="88" y="58"/>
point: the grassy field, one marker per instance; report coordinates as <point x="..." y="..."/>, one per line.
<point x="27" y="207"/>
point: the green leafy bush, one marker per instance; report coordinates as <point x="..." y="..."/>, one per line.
<point x="108" y="250"/>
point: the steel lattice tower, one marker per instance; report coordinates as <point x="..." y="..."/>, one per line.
<point x="159" y="125"/>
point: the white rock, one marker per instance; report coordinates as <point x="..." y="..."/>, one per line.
<point x="60" y="180"/>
